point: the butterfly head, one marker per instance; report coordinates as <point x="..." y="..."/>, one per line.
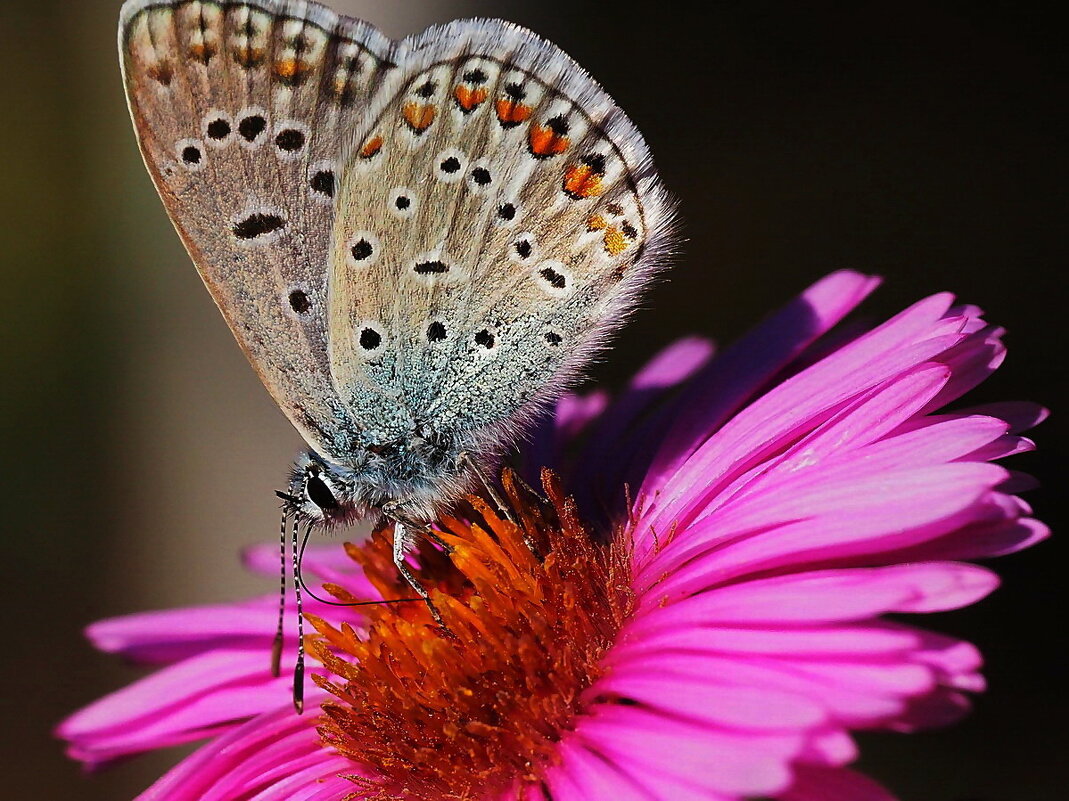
<point x="322" y="493"/>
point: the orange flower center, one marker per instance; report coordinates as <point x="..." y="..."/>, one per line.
<point x="472" y="711"/>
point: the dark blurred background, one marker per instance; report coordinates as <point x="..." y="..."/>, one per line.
<point x="921" y="142"/>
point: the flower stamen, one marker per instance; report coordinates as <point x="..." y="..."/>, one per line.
<point x="481" y="708"/>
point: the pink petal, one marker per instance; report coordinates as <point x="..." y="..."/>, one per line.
<point x="783" y="415"/>
<point x="980" y="541"/>
<point x="584" y="775"/>
<point x="867" y="697"/>
<point x="173" y="634"/>
<point x="610" y="448"/>
<point x="195" y="777"/>
<point x="710" y="702"/>
<point x="1020" y="415"/>
<point x="829" y="596"/>
<point x="575" y="412"/>
<point x="874" y="416"/>
<point x="943" y="707"/>
<point x="325" y="562"/>
<point x="971" y="361"/>
<point x="886" y="678"/>
<point x="166" y="636"/>
<point x="870" y="640"/>
<point x="311" y="777"/>
<point x="746" y="366"/>
<point x="1000" y="448"/>
<point x="725" y="763"/>
<point x="850" y="510"/>
<point x="814" y="783"/>
<point x="178" y="704"/>
<point x="831" y="747"/>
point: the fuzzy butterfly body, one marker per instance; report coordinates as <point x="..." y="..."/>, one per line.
<point x="418" y="244"/>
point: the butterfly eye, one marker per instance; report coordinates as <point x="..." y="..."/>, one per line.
<point x="319" y="493"/>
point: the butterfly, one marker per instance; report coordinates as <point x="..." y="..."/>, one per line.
<point x="418" y="244"/>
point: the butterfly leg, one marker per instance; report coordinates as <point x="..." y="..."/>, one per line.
<point x="464" y="459"/>
<point x="399" y="553"/>
<point x="428" y="532"/>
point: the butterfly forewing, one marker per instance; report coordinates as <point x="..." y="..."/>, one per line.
<point x="415" y="243"/>
<point x="241" y="111"/>
<point x="503" y="212"/>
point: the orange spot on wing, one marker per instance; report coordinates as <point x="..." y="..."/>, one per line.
<point x="292" y="70"/>
<point x="510" y="113"/>
<point x="371" y="147"/>
<point x="615" y="241"/>
<point x="544" y="142"/>
<point x="469" y="99"/>
<point x="596" y="223"/>
<point x="341" y="87"/>
<point x="161" y="72"/>
<point x="202" y="52"/>
<point x="248" y="56"/>
<point x="419" y="117"/>
<point x="582" y="181"/>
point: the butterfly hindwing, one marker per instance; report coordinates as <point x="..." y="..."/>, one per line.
<point x="505" y="213"/>
<point x="241" y="111"/>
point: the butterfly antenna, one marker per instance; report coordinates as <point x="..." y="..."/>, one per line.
<point x="298" y="667"/>
<point x="299" y="544"/>
<point x="276" y="646"/>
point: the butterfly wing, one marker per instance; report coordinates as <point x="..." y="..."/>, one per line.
<point x="241" y="111"/>
<point x="508" y="213"/>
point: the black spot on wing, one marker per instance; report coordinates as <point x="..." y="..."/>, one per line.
<point x="299" y="301"/>
<point x="258" y="224"/>
<point x="553" y="278"/>
<point x="323" y="183"/>
<point x="436" y="331"/>
<point x="251" y="127"/>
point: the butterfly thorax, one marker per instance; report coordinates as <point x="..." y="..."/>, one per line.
<point x="409" y="478"/>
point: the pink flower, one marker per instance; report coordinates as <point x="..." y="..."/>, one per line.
<point x="780" y="498"/>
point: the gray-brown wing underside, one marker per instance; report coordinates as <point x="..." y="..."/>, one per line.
<point x="241" y="111"/>
<point x="498" y="215"/>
